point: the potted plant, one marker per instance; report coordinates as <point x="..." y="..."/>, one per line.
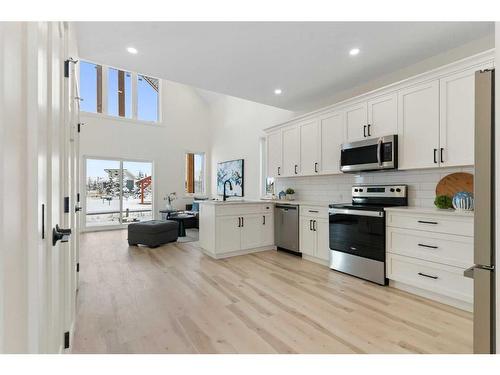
<point x="443" y="202"/>
<point x="289" y="194"/>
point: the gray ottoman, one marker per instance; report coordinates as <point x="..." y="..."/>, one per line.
<point x="152" y="233"/>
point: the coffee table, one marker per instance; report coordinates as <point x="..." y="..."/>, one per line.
<point x="180" y="219"/>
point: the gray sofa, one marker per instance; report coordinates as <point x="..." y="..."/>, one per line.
<point x="152" y="233"/>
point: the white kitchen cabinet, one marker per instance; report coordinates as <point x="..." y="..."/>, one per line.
<point x="418" y="111"/>
<point x="267" y="231"/>
<point x="331" y="136"/>
<point x="383" y="116"/>
<point x="314" y="232"/>
<point x="291" y="151"/>
<point x="274" y="154"/>
<point x="356" y="121"/>
<point x="228" y="229"/>
<point x="228" y="233"/>
<point x="456" y="135"/>
<point x="251" y="231"/>
<point x="307" y="236"/>
<point x="309" y="147"/>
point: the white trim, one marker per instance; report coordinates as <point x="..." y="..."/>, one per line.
<point x="466" y="63"/>
<point x="123" y="119"/>
<point x="237" y="252"/>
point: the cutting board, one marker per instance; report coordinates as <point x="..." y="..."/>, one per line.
<point x="455" y="182"/>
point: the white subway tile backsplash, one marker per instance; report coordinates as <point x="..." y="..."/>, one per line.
<point x="337" y="188"/>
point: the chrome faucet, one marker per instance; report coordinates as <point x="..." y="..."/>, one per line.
<point x="224" y="196"/>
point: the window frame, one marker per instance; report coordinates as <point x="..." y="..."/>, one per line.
<point x="104" y="93"/>
<point x="204" y="169"/>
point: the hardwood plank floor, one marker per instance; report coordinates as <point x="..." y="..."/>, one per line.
<point x="175" y="299"/>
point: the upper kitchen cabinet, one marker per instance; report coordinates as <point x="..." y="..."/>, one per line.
<point x="456" y="136"/>
<point x="291" y="151"/>
<point x="419" y="126"/>
<point x="383" y="116"/>
<point x="331" y="128"/>
<point x="274" y="154"/>
<point x="309" y="147"/>
<point x="356" y="122"/>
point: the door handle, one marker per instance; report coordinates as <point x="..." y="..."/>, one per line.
<point x="364" y="131"/>
<point x="435" y="160"/>
<point x="279" y="171"/>
<point x="263" y="219"/>
<point x="379" y="149"/>
<point x="239" y="222"/>
<point x="314" y="225"/>
<point x="78" y="208"/>
<point x="242" y="222"/>
<point x="441" y="154"/>
<point x="369" y="135"/>
<point x="429" y="276"/>
<point x="310" y="225"/>
<point x="59" y="234"/>
<point x="296" y="168"/>
<point x="316" y="167"/>
<point x="427" y="222"/>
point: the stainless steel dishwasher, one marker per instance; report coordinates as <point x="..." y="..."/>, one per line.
<point x="286" y="227"/>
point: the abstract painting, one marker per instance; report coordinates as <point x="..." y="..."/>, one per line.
<point x="233" y="171"/>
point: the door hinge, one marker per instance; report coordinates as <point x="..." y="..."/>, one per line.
<point x="78" y="197"/>
<point x="66" y="340"/>
<point x="78" y="267"/>
<point x="66" y="205"/>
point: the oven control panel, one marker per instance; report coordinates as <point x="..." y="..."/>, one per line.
<point x="386" y="191"/>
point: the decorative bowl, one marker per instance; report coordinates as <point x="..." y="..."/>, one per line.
<point x="463" y="201"/>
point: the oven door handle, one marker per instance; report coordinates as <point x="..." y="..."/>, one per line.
<point x="346" y="211"/>
<point x="379" y="149"/>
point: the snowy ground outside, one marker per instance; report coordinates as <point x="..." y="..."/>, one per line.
<point x="109" y="211"/>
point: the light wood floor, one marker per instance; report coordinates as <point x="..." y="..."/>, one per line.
<point x="174" y="299"/>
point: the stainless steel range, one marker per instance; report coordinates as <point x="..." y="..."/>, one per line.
<point x="357" y="230"/>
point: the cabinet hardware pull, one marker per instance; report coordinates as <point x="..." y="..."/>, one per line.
<point x="369" y="135"/>
<point x="296" y="168"/>
<point x="316" y="167"/>
<point x="441" y="152"/>
<point x="313" y="211"/>
<point x="429" y="276"/>
<point x="314" y="225"/>
<point x="429" y="246"/>
<point x="427" y="222"/>
<point x="239" y="222"/>
<point x="263" y="219"/>
<point x="310" y="225"/>
<point x="242" y="221"/>
<point x="279" y="171"/>
<point x="435" y="151"/>
<point x="364" y="131"/>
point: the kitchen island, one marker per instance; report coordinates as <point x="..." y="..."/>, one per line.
<point x="236" y="227"/>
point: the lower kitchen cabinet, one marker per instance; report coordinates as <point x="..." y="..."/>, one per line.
<point x="233" y="229"/>
<point x="314" y="244"/>
<point x="428" y="251"/>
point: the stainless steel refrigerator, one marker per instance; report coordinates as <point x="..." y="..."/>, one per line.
<point x="483" y="271"/>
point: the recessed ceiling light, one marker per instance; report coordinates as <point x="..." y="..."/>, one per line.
<point x="278" y="92"/>
<point x="354" y="51"/>
<point x="132" y="50"/>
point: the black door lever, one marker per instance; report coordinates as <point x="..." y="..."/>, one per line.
<point x="59" y="234"/>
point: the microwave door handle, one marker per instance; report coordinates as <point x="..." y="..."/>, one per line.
<point x="379" y="149"/>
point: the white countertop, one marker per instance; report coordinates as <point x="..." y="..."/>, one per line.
<point x="431" y="210"/>
<point x="264" y="201"/>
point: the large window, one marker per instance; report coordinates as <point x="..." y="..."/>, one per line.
<point x="119" y="93"/>
<point x="126" y="94"/>
<point x="118" y="192"/>
<point x="147" y="98"/>
<point x="90" y="87"/>
<point x="195" y="173"/>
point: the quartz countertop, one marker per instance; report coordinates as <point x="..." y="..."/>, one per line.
<point x="264" y="201"/>
<point x="431" y="210"/>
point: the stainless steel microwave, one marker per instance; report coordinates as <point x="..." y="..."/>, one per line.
<point x="370" y="154"/>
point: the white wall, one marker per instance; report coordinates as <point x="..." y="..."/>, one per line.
<point x="237" y="125"/>
<point x="184" y="127"/>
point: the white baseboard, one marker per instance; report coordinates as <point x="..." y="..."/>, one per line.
<point x="238" y="252"/>
<point x="467" y="306"/>
<point x="323" y="262"/>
